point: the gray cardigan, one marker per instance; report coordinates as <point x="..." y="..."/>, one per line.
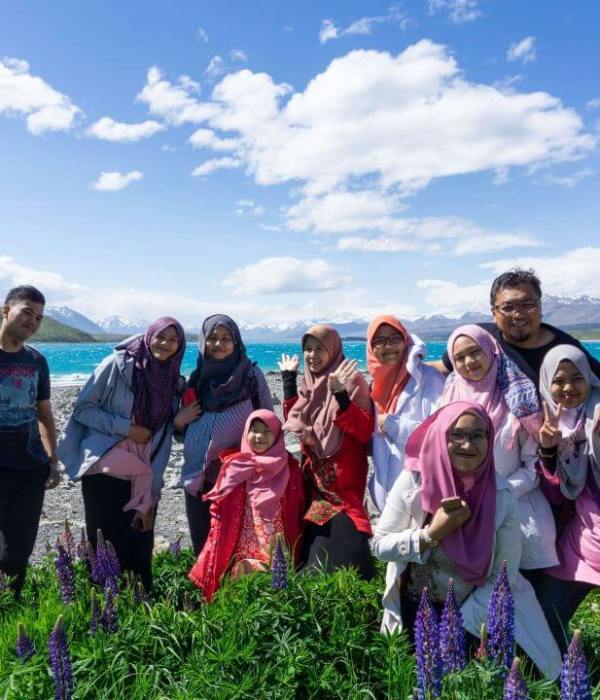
<point x="102" y="417"/>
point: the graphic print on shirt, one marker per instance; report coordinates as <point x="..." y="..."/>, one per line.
<point x="18" y="392"/>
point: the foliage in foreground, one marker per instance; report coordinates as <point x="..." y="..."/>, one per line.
<point x="317" y="638"/>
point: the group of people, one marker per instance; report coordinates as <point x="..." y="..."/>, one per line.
<point x="491" y="455"/>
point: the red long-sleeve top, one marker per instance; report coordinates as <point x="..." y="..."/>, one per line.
<point x="337" y="484"/>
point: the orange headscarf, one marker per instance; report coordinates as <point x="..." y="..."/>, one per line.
<point x="388" y="380"/>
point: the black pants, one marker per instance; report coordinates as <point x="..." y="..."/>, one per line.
<point x="104" y="497"/>
<point x="559" y="600"/>
<point x="337" y="543"/>
<point x="198" y="515"/>
<point x="21" y="500"/>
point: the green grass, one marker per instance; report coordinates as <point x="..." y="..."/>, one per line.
<point x="319" y="638"/>
<point x="52" y="331"/>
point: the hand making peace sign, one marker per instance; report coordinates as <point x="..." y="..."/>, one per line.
<point x="550" y="433"/>
<point x="338" y="380"/>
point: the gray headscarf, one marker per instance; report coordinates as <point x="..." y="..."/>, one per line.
<point x="581" y="444"/>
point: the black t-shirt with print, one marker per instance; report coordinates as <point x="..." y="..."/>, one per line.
<point x="24" y="380"/>
<point x="530" y="359"/>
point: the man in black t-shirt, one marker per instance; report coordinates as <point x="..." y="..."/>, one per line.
<point x="28" y="462"/>
<point x="516" y="301"/>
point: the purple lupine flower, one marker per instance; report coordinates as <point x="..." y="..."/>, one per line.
<point x="67" y="540"/>
<point x="139" y="594"/>
<point x="279" y="571"/>
<point x="66" y="576"/>
<point x="107" y="568"/>
<point x="175" y="547"/>
<point x="453" y="643"/>
<point x="427" y="648"/>
<point x="575" y="679"/>
<point x="60" y="661"/>
<point x="501" y="621"/>
<point x="3" y="582"/>
<point x="94" y="612"/>
<point x="25" y="648"/>
<point x="515" y="688"/>
<point x="108" y="619"/>
<point x="82" y="547"/>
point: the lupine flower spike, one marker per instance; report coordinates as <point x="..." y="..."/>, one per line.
<point x="574" y="679"/>
<point x="279" y="567"/>
<point x="3" y="582"/>
<point x="139" y="594"/>
<point x="515" y="688"/>
<point x="175" y="547"/>
<point x="453" y="643"/>
<point x="67" y="540"/>
<point x="94" y="613"/>
<point x="60" y="661"/>
<point x="501" y="621"/>
<point x="427" y="643"/>
<point x="64" y="571"/>
<point x="108" y="619"/>
<point x="481" y="652"/>
<point x="25" y="648"/>
<point x="82" y="547"/>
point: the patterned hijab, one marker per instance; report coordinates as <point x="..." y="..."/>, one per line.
<point x="154" y="383"/>
<point x="470" y="546"/>
<point x="315" y="411"/>
<point x="388" y="380"/>
<point x="266" y="474"/>
<point x="504" y="389"/>
<point x="221" y="383"/>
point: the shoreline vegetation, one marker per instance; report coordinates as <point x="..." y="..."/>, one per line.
<point x="52" y="331"/>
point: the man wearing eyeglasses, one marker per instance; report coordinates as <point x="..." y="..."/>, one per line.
<point x="516" y="301"/>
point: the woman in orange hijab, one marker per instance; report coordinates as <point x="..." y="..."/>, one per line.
<point x="404" y="391"/>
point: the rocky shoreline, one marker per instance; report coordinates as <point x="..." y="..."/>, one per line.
<point x="66" y="502"/>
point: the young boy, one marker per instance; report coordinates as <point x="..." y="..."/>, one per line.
<point x="28" y="462"/>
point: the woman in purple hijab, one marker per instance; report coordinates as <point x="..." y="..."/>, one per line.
<point x="118" y="440"/>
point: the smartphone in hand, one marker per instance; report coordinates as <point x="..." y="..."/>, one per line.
<point x="451" y="503"/>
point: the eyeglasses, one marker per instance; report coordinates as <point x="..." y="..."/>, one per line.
<point x="459" y="437"/>
<point x="380" y="342"/>
<point x="509" y="309"/>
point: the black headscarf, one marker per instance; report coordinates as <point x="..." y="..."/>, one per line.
<point x="221" y="383"/>
<point x="154" y="383"/>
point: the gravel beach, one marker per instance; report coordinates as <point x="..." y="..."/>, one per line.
<point x="65" y="501"/>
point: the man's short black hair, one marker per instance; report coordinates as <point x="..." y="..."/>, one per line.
<point x="517" y="277"/>
<point x="24" y="293"/>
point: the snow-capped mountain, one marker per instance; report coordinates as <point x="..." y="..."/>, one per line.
<point x="72" y="318"/>
<point x="121" y="325"/>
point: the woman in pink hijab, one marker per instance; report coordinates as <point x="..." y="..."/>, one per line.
<point x="449" y="516"/>
<point x="259" y="495"/>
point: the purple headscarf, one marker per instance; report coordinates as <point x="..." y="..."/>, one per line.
<point x="154" y="383"/>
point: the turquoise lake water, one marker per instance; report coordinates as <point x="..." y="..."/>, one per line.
<point x="72" y="363"/>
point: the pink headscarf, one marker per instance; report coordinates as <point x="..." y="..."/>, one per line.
<point x="503" y="390"/>
<point x="470" y="547"/>
<point x="266" y="474"/>
<point x="316" y="408"/>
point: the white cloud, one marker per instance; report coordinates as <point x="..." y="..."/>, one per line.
<point x="210" y="166"/>
<point x="450" y="298"/>
<point x="593" y="104"/>
<point x="108" y="129"/>
<point x="216" y="67"/>
<point x="285" y="275"/>
<point x="202" y="35"/>
<point x="174" y="103"/>
<point x="270" y="227"/>
<point x="571" y="180"/>
<point x="206" y="138"/>
<point x="188" y="84"/>
<point x="13" y="274"/>
<point x="247" y="206"/>
<point x="114" y="181"/>
<point x="458" y="11"/>
<point x="238" y="55"/>
<point x="523" y="50"/>
<point x="25" y="95"/>
<point x="571" y="273"/>
<point x="363" y="26"/>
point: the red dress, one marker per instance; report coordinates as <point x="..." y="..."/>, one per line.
<point x="233" y="538"/>
<point x="337" y="484"/>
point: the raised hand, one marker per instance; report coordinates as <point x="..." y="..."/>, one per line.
<point x="550" y="433"/>
<point x="289" y="363"/>
<point x="338" y="380"/>
<point x="445" y="523"/>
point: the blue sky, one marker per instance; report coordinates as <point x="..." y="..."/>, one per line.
<point x="283" y="161"/>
